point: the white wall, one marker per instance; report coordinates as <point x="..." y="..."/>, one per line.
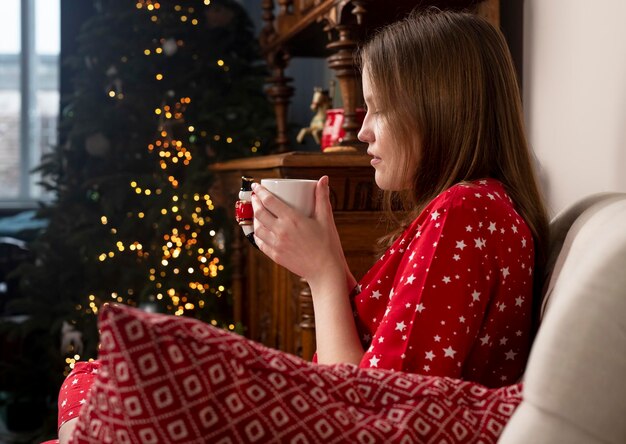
<point x="575" y="95"/>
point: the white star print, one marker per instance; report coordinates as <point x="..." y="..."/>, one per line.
<point x="462" y="319"/>
<point x="460" y="245"/>
<point x="411" y="256"/>
<point x="381" y="339"/>
<point x="437" y="338"/>
<point x="468" y="228"/>
<point x="490" y="196"/>
<point x="514" y="228"/>
<point x="456" y="257"/>
<point x="430" y="355"/>
<point x="505" y="272"/>
<point x="434" y="215"/>
<point x="82" y="401"/>
<point x="374" y="361"/>
<point x="449" y="352"/>
<point x="475" y="296"/>
<point x="510" y="355"/>
<point x="446" y="279"/>
<point x="427" y="368"/>
<point x="420" y="307"/>
<point x="485" y="340"/>
<point x="410" y="280"/>
<point x="480" y="243"/>
<point x="524" y="242"/>
<point x="519" y="301"/>
<point x="75" y="381"/>
<point x="492" y="227"/>
<point x="376" y="295"/>
<point x="518" y="333"/>
<point x="502" y="306"/>
<point x="64" y="403"/>
<point x="400" y="326"/>
<point x="503" y="341"/>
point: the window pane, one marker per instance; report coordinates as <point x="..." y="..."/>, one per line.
<point x="10" y="100"/>
<point x="16" y="160"/>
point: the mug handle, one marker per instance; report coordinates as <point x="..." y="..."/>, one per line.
<point x="243" y="209"/>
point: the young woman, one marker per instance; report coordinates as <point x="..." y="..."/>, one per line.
<point x="453" y="295"/>
<point x="449" y="303"/>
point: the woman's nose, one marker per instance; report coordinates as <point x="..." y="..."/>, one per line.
<point x="365" y="134"/>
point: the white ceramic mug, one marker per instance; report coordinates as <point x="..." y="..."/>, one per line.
<point x="297" y="193"/>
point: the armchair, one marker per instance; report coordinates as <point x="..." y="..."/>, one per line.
<point x="574" y="388"/>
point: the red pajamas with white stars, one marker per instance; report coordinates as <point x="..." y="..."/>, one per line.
<point x="450" y="298"/>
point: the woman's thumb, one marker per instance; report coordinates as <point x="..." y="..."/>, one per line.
<point x="322" y="196"/>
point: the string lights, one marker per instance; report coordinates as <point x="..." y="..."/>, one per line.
<point x="184" y="250"/>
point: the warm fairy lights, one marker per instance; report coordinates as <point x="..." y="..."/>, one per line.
<point x="186" y="250"/>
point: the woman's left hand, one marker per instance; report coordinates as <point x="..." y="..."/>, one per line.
<point x="308" y="247"/>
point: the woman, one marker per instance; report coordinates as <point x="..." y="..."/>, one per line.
<point x="451" y="297"/>
<point x="444" y="127"/>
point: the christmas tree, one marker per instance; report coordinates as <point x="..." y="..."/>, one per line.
<point x="162" y="90"/>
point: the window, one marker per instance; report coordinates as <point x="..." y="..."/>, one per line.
<point x="29" y="94"/>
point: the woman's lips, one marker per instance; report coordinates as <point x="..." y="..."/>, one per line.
<point x="376" y="160"/>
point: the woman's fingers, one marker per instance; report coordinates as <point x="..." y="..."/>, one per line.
<point x="261" y="213"/>
<point x="271" y="203"/>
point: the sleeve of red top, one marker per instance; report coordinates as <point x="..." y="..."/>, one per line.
<point x="434" y="315"/>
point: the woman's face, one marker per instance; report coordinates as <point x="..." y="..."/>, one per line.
<point x="391" y="173"/>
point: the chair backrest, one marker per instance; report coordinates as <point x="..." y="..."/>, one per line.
<point x="574" y="388"/>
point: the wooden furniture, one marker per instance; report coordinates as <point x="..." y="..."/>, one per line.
<point x="274" y="305"/>
<point x="333" y="29"/>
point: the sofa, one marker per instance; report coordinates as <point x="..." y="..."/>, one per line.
<point x="574" y="383"/>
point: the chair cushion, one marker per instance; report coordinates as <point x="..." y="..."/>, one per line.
<point x="574" y="379"/>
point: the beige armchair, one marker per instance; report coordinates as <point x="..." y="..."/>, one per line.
<point x="575" y="381"/>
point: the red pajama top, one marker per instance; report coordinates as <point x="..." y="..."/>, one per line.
<point x="452" y="296"/>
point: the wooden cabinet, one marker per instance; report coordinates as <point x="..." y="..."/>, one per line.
<point x="274" y="305"/>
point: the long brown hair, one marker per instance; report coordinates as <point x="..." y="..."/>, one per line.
<point x="446" y="85"/>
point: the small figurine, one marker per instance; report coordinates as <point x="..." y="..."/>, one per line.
<point x="243" y="209"/>
<point x="320" y="102"/>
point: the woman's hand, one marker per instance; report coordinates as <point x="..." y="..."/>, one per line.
<point x="308" y="247"/>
